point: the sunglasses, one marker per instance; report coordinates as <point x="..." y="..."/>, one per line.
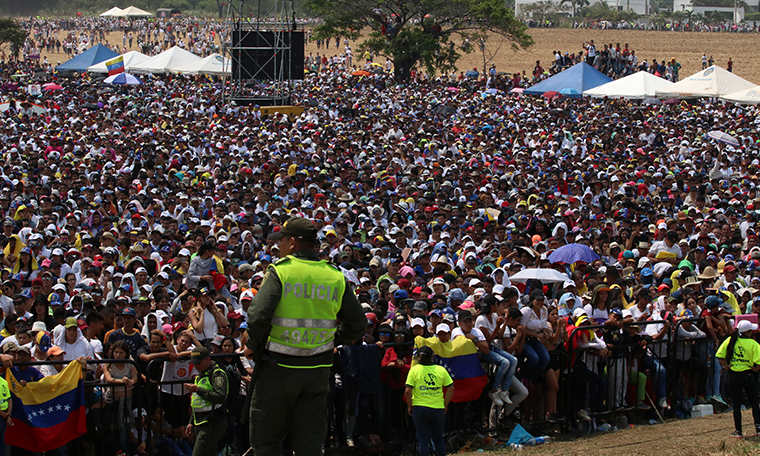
<point x="387" y="334"/>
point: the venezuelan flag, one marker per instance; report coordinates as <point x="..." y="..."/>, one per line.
<point x="115" y="66"/>
<point x="460" y="358"/>
<point x="47" y="414"/>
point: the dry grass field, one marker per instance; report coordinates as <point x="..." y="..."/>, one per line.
<point x="686" y="48"/>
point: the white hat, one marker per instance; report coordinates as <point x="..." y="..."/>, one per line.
<point x="568" y="284"/>
<point x="442" y="327"/>
<point x="364" y="280"/>
<point x="141" y="269"/>
<point x="746" y="325"/>
<point x="479" y="292"/>
<point x="418" y="322"/>
<point x="578" y="312"/>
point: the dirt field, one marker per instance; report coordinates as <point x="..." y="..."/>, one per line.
<point x="700" y="436"/>
<point x="686" y="48"/>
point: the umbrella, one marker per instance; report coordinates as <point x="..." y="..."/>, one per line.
<point x="550" y="94"/>
<point x="360" y="73"/>
<point x="652" y="101"/>
<point x="452" y="89"/>
<point x="90" y="106"/>
<point x="472" y="74"/>
<point x="544" y="275"/>
<point x="671" y="101"/>
<point x="373" y="64"/>
<point x="9" y="86"/>
<point x="492" y="91"/>
<point x="517" y="90"/>
<point x="50" y="87"/>
<point x="724" y="138"/>
<point x="123" y="79"/>
<point x="348" y="274"/>
<point x="572" y="253"/>
<point x="569" y="91"/>
<point x="37" y="109"/>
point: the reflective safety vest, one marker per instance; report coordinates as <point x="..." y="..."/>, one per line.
<point x="305" y="320"/>
<point x="201" y="405"/>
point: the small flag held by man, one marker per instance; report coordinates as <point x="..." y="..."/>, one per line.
<point x="115" y="66"/>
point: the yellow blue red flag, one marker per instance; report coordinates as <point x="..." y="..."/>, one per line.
<point x="460" y="358"/>
<point x="47" y="414"/>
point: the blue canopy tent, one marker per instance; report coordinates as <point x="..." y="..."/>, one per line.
<point x="92" y="56"/>
<point x="571" y="82"/>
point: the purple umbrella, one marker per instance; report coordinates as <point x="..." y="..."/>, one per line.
<point x="573" y="253"/>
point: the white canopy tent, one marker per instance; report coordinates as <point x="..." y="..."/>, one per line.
<point x="747" y="96"/>
<point x="133" y="11"/>
<point x="214" y="64"/>
<point x="131" y="59"/>
<point x="636" y="86"/>
<point x="712" y="82"/>
<point x="112" y="12"/>
<point x="167" y="61"/>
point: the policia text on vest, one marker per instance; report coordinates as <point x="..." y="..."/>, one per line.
<point x="293" y="319"/>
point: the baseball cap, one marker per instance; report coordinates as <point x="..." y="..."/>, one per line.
<point x="297" y="227"/>
<point x="71" y="322"/>
<point x="464" y="315"/>
<point x="443" y="327"/>
<point x="42" y="340"/>
<point x="129" y="312"/>
<point x="400" y="294"/>
<point x="199" y="354"/>
<point x="10" y="347"/>
<point x="746" y="325"/>
<point x="55" y="351"/>
<point x="418" y="322"/>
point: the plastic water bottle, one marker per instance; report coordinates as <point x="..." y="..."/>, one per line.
<point x="516" y="446"/>
<point x="542" y="440"/>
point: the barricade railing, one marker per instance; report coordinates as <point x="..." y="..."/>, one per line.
<point x="356" y="411"/>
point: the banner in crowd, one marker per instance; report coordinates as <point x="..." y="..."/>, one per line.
<point x="460" y="358"/>
<point x="47" y="414"/>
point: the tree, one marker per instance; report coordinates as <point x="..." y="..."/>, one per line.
<point x="433" y="33"/>
<point x="12" y="34"/>
<point x="576" y="4"/>
<point x="541" y="10"/>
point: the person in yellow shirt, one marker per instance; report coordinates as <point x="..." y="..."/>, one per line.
<point x="740" y="354"/>
<point x="6" y="406"/>
<point x="426" y="401"/>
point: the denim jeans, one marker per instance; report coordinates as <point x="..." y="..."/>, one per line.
<point x="536" y="358"/>
<point x="505" y="367"/>
<point x="429" y="423"/>
<point x="706" y="354"/>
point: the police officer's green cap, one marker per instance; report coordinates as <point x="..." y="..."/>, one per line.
<point x="297" y="227"/>
<point x="199" y="354"/>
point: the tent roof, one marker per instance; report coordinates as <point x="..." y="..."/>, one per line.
<point x="213" y="64"/>
<point x="113" y="11"/>
<point x="95" y="54"/>
<point x="746" y="96"/>
<point x="636" y="86"/>
<point x="133" y="11"/>
<point x="131" y="58"/>
<point x="580" y="77"/>
<point x="712" y="82"/>
<point x="166" y="61"/>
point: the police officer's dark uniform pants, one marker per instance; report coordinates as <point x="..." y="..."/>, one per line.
<point x="208" y="434"/>
<point x="289" y="399"/>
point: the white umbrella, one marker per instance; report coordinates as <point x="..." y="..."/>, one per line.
<point x="542" y="274"/>
<point x="123" y="79"/>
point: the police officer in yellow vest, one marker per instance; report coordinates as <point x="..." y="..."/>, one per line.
<point x="294" y="320"/>
<point x="209" y="389"/>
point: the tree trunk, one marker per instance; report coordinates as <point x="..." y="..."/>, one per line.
<point x="402" y="69"/>
<point x="221" y="12"/>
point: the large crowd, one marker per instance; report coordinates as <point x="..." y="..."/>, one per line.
<point x="135" y="223"/>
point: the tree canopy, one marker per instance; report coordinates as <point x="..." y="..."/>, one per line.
<point x="432" y="33"/>
<point x="11" y="34"/>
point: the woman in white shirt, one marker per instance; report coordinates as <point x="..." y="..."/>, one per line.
<point x="492" y="328"/>
<point x="534" y="319"/>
